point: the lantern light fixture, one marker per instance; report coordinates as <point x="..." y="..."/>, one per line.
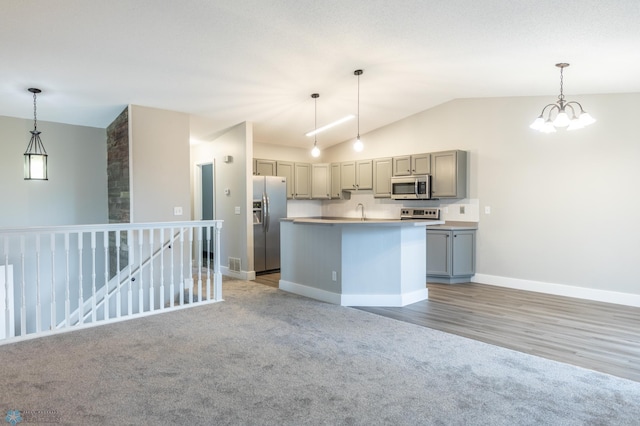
<point x="35" y="157"/>
<point x="563" y="113"/>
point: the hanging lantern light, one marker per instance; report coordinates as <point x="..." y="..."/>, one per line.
<point x="35" y="157"/>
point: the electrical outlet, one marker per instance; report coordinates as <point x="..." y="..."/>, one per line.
<point x="461" y="209"/>
<point x="487" y="210"/>
<point x="334" y="276"/>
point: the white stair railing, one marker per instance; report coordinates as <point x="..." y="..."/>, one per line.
<point x="60" y="278"/>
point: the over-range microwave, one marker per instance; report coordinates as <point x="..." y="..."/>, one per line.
<point x="411" y="187"/>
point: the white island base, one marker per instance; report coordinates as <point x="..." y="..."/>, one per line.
<point x="355" y="263"/>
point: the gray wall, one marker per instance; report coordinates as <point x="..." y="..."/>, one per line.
<point x="160" y="171"/>
<point x="564" y="206"/>
<point x="76" y="192"/>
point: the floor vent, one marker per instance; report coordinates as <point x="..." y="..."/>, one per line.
<point x="234" y="264"/>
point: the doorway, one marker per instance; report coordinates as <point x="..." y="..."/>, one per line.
<point x="205" y="207"/>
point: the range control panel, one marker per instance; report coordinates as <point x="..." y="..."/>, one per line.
<point x="428" y="213"/>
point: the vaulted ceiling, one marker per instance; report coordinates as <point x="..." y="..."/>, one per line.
<point x="257" y="60"/>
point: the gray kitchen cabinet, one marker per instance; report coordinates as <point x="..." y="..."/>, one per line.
<point x="449" y="174"/>
<point x="417" y="164"/>
<point x="336" y="183"/>
<point x="320" y="181"/>
<point x="285" y="169"/>
<point x="451" y="255"/>
<point x="264" y="167"/>
<point x="382" y="168"/>
<point x="302" y="180"/>
<point x="356" y="175"/>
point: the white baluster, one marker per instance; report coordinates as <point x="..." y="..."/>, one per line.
<point x="151" y="251"/>
<point x="118" y="281"/>
<point x="38" y="304"/>
<point x="93" y="276"/>
<point x="217" y="273"/>
<point x="208" y="263"/>
<point x="23" y="309"/>
<point x="80" y="280"/>
<point x="171" y="286"/>
<point x="105" y="243"/>
<point x="54" y="305"/>
<point x="67" y="297"/>
<point x="198" y="230"/>
<point x="131" y="243"/>
<point x="162" y="295"/>
<point x="140" y="281"/>
<point x="189" y="277"/>
<point x="8" y="306"/>
<point x="181" y="266"/>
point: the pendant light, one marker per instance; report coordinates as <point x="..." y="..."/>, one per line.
<point x="315" y="152"/>
<point x="358" y="146"/>
<point x="35" y="157"/>
<point x="578" y="119"/>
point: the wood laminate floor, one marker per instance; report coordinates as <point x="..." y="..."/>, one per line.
<point x="599" y="336"/>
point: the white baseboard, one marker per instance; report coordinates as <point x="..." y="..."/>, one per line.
<point x="392" y="300"/>
<point x="242" y="275"/>
<point x="560" y="289"/>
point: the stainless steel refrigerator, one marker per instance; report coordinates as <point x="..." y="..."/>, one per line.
<point x="269" y="206"/>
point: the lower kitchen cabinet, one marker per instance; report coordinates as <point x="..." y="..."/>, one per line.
<point x="451" y="255"/>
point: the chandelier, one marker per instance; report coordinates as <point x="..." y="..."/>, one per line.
<point x="563" y="113"/>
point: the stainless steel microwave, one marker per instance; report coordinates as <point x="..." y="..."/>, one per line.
<point x="411" y="187"/>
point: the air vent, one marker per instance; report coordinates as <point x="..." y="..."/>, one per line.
<point x="234" y="264"/>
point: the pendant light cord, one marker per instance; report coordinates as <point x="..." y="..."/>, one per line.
<point x="35" y="120"/>
<point x="359" y="104"/>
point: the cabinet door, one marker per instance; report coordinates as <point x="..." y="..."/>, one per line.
<point x="364" y="174"/>
<point x="320" y="181"/>
<point x="348" y="175"/>
<point x="402" y="165"/>
<point x="302" y="180"/>
<point x="285" y="169"/>
<point x="449" y="174"/>
<point x="438" y="253"/>
<point x="464" y="253"/>
<point x="265" y="167"/>
<point x="336" y="188"/>
<point x="382" y="168"/>
<point x="421" y="164"/>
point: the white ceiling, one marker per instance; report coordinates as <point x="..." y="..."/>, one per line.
<point x="260" y="60"/>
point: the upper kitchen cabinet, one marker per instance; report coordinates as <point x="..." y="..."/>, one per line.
<point x="417" y="164"/>
<point x="449" y="174"/>
<point x="356" y="175"/>
<point x="320" y="181"/>
<point x="382" y="168"/>
<point x="264" y="167"/>
<point x="285" y="169"/>
<point x="302" y="180"/>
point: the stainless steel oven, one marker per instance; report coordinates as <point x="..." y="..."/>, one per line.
<point x="411" y="187"/>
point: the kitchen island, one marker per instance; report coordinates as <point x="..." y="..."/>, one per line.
<point x="353" y="262"/>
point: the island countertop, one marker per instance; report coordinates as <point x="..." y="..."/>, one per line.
<point x="357" y="221"/>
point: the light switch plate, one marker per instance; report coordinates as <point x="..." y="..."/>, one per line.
<point x="177" y="211"/>
<point x="237" y="210"/>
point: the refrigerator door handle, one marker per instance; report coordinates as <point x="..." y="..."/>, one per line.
<point x="265" y="213"/>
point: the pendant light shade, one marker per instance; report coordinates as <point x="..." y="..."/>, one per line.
<point x="35" y="157"/>
<point x="569" y="114"/>
<point x="358" y="145"/>
<point x="315" y="152"/>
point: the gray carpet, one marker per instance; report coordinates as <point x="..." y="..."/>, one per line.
<point x="265" y="357"/>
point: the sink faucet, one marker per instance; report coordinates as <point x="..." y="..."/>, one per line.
<point x="360" y="205"/>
